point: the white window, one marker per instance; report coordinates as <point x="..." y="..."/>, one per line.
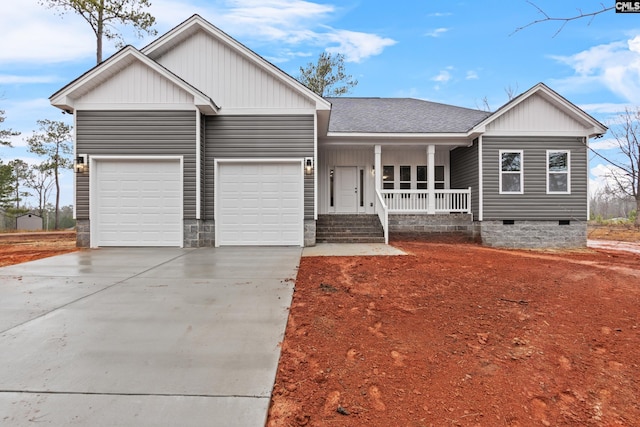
<point x="511" y="168"/>
<point x="388" y="177"/>
<point x="405" y="177"/>
<point x="558" y="171"/>
<point x="422" y="176"/>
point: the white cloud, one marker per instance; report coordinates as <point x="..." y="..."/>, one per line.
<point x="437" y="32"/>
<point x="604" y="144"/>
<point x="14" y="79"/>
<point x="290" y="24"/>
<point x="38" y="34"/>
<point x="357" y="46"/>
<point x="615" y="66"/>
<point x="443" y="76"/>
<point x="33" y="33"/>
<point x="472" y="75"/>
<point x="440" y="14"/>
<point x="605" y="108"/>
<point x="601" y="177"/>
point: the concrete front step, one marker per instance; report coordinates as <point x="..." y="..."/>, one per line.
<point x="352" y="239"/>
<point x="349" y="229"/>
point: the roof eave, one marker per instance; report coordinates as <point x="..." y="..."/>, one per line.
<point x="552" y="96"/>
<point x="65" y="100"/>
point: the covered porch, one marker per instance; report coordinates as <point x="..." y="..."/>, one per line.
<point x="390" y="179"/>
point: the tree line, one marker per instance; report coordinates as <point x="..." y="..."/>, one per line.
<point x="20" y="180"/>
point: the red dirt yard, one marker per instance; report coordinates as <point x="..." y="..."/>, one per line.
<point x="16" y="248"/>
<point x="462" y="335"/>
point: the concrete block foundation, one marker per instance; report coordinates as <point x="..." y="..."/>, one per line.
<point x="534" y="234"/>
<point x="425" y="226"/>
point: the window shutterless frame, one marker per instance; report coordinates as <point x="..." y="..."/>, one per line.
<point x="511" y="168"/>
<point x="558" y="172"/>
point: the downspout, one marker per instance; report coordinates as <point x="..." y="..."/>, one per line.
<point x="586" y="145"/>
<point x="480" y="181"/>
<point x="316" y="164"/>
<point x="75" y="156"/>
<point x="198" y="167"/>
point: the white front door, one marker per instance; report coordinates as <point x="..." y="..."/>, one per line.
<point x="347" y="189"/>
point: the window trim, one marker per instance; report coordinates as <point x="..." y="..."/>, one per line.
<point x="567" y="172"/>
<point x="501" y="172"/>
<point x="391" y="178"/>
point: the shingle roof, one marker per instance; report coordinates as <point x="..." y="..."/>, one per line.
<point x="400" y="115"/>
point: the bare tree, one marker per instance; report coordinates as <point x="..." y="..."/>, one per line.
<point x="511" y="91"/>
<point x="41" y="181"/>
<point x="103" y="15"/>
<point x="607" y="203"/>
<point x="54" y="142"/>
<point x="327" y="77"/>
<point x="563" y="21"/>
<point x="626" y="175"/>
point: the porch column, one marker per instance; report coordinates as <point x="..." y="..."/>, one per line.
<point x="431" y="178"/>
<point x="378" y="167"/>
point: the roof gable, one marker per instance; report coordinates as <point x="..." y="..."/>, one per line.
<point x="129" y="77"/>
<point x="232" y="74"/>
<point x="543" y="111"/>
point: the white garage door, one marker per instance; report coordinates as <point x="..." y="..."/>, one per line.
<point x="260" y="204"/>
<point x="137" y="203"/>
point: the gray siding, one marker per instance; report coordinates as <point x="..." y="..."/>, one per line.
<point x="464" y="173"/>
<point x="535" y="203"/>
<point x="125" y="133"/>
<point x="251" y="137"/>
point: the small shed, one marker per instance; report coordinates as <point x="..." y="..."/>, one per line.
<point x="29" y="221"/>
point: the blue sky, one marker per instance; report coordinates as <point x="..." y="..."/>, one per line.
<point x="455" y="52"/>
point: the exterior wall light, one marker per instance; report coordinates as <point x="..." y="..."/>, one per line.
<point x="308" y="165"/>
<point x="81" y="165"/>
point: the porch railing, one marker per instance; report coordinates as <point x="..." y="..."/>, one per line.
<point x="383" y="214"/>
<point x="417" y="201"/>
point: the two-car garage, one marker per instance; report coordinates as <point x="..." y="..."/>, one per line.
<point x="139" y="202"/>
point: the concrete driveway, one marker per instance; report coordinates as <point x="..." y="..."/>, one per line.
<point x="144" y="336"/>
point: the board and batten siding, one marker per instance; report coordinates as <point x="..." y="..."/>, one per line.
<point x="137" y="84"/>
<point x="464" y="173"/>
<point x="535" y="203"/>
<point x="258" y="137"/>
<point x="229" y="78"/>
<point x="534" y="114"/>
<point x="137" y="133"/>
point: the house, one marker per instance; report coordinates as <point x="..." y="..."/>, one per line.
<point x="195" y="140"/>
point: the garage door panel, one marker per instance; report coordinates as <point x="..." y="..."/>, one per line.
<point x="138" y="203"/>
<point x="260" y="204"/>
